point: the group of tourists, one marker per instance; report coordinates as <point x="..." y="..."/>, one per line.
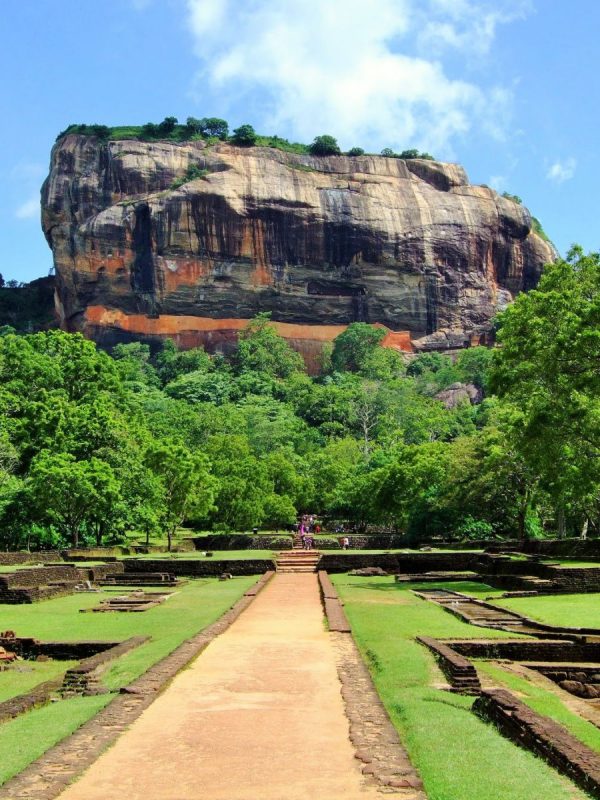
<point x="308" y="527"/>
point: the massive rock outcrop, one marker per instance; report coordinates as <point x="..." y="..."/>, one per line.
<point x="318" y="241"/>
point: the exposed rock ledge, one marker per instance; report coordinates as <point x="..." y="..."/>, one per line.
<point x="319" y="242"/>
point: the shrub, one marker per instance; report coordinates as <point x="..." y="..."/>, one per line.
<point x="244" y="136"/>
<point x="192" y="173"/>
<point x="325" y="145"/>
<point x="355" y="151"/>
<point x="167" y="126"/>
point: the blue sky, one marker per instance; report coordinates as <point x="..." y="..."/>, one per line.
<point x="508" y="88"/>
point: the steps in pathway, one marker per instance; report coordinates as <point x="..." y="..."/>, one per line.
<point x="297" y="561"/>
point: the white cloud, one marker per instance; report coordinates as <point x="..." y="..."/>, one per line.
<point x="466" y="25"/>
<point x="370" y="71"/>
<point x="561" y="171"/>
<point x="29" y="209"/>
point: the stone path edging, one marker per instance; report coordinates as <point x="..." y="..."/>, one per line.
<point x="46" y="778"/>
<point x="386" y="763"/>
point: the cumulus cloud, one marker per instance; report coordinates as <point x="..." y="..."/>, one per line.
<point x="561" y="171"/>
<point x="373" y="72"/>
<point x="29" y="209"/>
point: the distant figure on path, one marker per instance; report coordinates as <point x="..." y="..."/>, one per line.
<point x="345" y="543"/>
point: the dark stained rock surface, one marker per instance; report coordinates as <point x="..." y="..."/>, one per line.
<point x="319" y="242"/>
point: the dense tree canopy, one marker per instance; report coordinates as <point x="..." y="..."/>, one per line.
<point x="97" y="447"/>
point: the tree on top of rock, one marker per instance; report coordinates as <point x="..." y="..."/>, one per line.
<point x="325" y="145"/>
<point x="244" y="136"/>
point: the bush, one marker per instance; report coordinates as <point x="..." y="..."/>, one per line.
<point x="325" y="146"/>
<point x="192" y="173"/>
<point x="355" y="151"/>
<point x="207" y="127"/>
<point x="471" y="528"/>
<point x="244" y="136"/>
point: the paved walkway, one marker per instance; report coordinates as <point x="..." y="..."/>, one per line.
<point x="258" y="715"/>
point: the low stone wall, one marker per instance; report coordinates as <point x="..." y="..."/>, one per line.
<point x="461" y="674"/>
<point x="38" y="696"/>
<point x="562" y="547"/>
<point x="30" y="648"/>
<point x="559" y="650"/>
<point x="12" y="559"/>
<point x="99" y="572"/>
<point x="92" y="553"/>
<point x="84" y="679"/>
<point x="29" y="585"/>
<point x="542" y="736"/>
<point x="334" y="611"/>
<point x="195" y="568"/>
<point x="581" y="680"/>
<point x="344" y="562"/>
<point x="572" y="580"/>
<point x="242" y="541"/>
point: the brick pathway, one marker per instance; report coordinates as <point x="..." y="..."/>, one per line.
<point x="258" y="715"/>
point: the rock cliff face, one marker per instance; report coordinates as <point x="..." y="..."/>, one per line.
<point x="318" y="241"/>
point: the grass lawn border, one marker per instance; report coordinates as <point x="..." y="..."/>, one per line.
<point x="41" y="780"/>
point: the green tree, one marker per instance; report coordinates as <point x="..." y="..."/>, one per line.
<point x="261" y="349"/>
<point x="547" y="368"/>
<point x="171" y="362"/>
<point x="244" y="136"/>
<point x="189" y="488"/>
<point x="355" y="151"/>
<point x="244" y="483"/>
<point x="70" y="494"/>
<point x="353" y="348"/>
<point x="278" y="511"/>
<point x="325" y="145"/>
<point x="214" y="126"/>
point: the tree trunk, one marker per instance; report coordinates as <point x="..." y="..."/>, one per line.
<point x="169" y="538"/>
<point x="521" y="524"/>
<point x="562" y="527"/>
<point x="584" y="529"/>
<point x="147" y="536"/>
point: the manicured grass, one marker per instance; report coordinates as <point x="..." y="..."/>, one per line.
<point x="458" y="755"/>
<point x="576" y="610"/>
<point x="29" y="736"/>
<point x="192" y="607"/>
<point x="21" y="676"/>
<point x="544" y="702"/>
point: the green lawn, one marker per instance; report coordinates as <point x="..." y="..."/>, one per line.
<point x="22" y="676"/>
<point x="458" y="755"/>
<point x="576" y="610"/>
<point x="194" y="606"/>
<point x="29" y="736"/>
